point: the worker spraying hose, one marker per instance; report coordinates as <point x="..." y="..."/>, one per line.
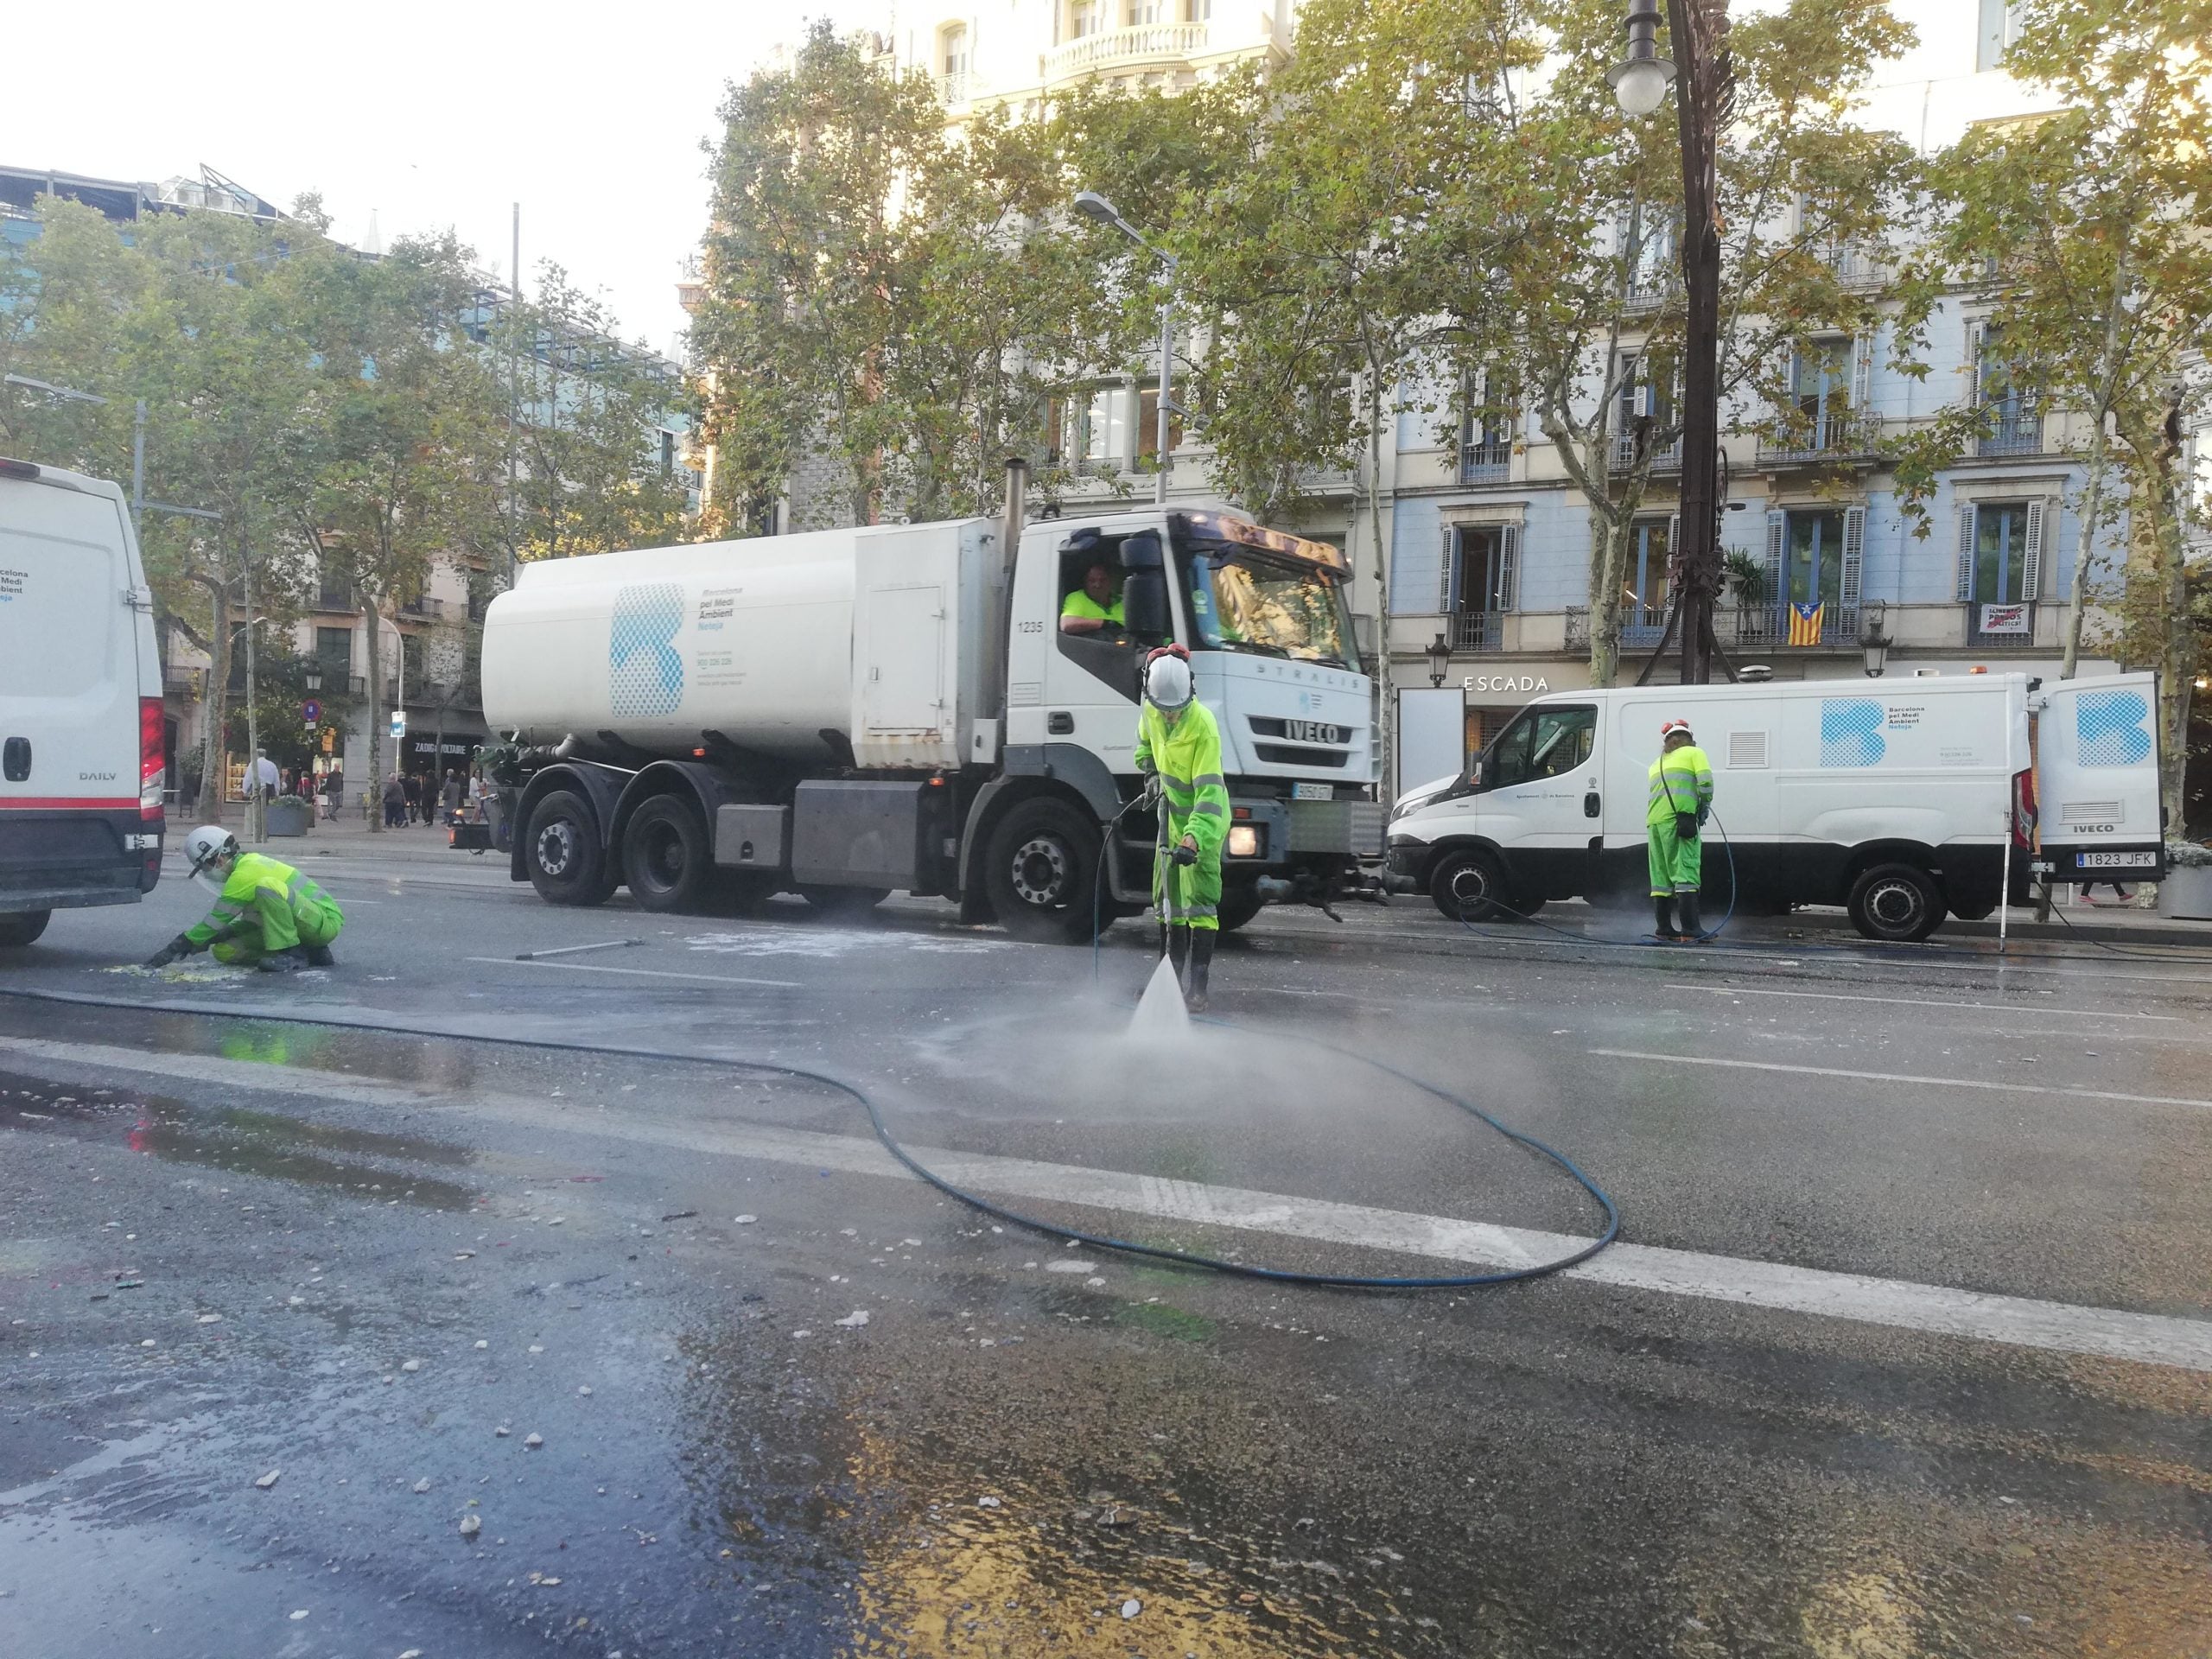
<point x="1179" y="751"/>
<point x="1682" y="796"/>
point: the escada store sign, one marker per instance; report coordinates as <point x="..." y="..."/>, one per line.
<point x="1530" y="685"/>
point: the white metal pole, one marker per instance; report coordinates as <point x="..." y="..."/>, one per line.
<point x="1166" y="366"/>
<point x="2012" y="806"/>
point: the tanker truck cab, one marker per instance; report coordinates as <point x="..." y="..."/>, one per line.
<point x="1264" y="617"/>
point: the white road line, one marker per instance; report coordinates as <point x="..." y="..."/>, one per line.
<point x="1926" y="1002"/>
<point x="2059" y="1327"/>
<point x="639" y="973"/>
<point x="1830" y="1071"/>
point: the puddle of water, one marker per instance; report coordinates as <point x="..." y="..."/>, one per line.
<point x="242" y="1141"/>
<point x="430" y="1062"/>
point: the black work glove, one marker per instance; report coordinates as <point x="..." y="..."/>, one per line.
<point x="1702" y="812"/>
<point x="1685" y="826"/>
<point x="1186" y="853"/>
<point x="175" y="951"/>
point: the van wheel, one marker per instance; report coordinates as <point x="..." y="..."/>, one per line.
<point x="844" y="904"/>
<point x="1897" y="904"/>
<point x="561" y="854"/>
<point x="1470" y="887"/>
<point x="22" y="927"/>
<point x="1040" y="871"/>
<point x="665" y="856"/>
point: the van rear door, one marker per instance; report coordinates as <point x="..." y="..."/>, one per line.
<point x="77" y="825"/>
<point x="2097" y="780"/>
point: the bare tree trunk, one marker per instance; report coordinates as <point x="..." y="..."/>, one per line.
<point x="1608" y="569"/>
<point x="2094" y="505"/>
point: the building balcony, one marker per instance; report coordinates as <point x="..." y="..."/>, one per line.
<point x="338" y="599"/>
<point x="1476" y="630"/>
<point x="1845" y="439"/>
<point x="1666" y="460"/>
<point x="182" y="682"/>
<point x="1767" y="627"/>
<point x="423" y="608"/>
<point x="1999" y="628"/>
<point x="1855" y="267"/>
<point x="2012" y="434"/>
<point x="1116" y="48"/>
<point x="1486" y="463"/>
<point x="954" y="88"/>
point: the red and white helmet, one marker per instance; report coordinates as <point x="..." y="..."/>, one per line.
<point x="1168" y="679"/>
<point x="1672" y="727"/>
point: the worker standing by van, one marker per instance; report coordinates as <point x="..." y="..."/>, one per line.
<point x="266" y="912"/>
<point x="1179" y="747"/>
<point x="1681" y="794"/>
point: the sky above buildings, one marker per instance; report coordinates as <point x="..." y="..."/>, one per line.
<point x="426" y="115"/>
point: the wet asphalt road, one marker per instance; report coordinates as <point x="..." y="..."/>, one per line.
<point x="226" y="1238"/>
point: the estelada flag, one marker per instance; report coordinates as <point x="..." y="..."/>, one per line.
<point x="1805" y="623"/>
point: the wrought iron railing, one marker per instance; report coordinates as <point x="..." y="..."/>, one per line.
<point x="1478" y="630"/>
<point x="2013" y="435"/>
<point x="1845" y="436"/>
<point x="952" y="87"/>
<point x="1666" y="460"/>
<point x="1486" y="463"/>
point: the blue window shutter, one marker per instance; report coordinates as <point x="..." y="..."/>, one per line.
<point x="2032" y="556"/>
<point x="1855" y="555"/>
<point x="1448" y="578"/>
<point x="1776" y="595"/>
<point x="1508" y="565"/>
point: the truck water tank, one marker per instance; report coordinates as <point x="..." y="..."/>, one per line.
<point x="753" y="639"/>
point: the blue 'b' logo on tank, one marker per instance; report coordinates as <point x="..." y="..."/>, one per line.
<point x="1851" y="731"/>
<point x="644" y="674"/>
<point x="2112" y="729"/>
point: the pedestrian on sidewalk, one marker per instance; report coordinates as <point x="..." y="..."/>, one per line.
<point x="411" y="789"/>
<point x="334" y="793"/>
<point x="395" y="802"/>
<point x="452" y="794"/>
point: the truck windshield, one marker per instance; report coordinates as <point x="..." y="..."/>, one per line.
<point x="1245" y="601"/>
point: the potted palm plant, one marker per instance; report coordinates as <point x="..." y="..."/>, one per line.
<point x="2186" y="893"/>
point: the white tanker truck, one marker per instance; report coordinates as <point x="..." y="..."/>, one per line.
<point x="850" y="712"/>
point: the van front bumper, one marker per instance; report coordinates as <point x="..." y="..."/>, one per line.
<point x="1407" y="867"/>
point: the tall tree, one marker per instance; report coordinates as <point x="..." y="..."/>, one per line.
<point x="2089" y="234"/>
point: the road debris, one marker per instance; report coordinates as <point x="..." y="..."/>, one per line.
<point x="270" y="1480"/>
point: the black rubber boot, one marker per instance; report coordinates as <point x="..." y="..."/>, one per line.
<point x="1202" y="938"/>
<point x="1663" y="910"/>
<point x="1693" y="928"/>
<point x="1178" y="952"/>
<point x="319" y="957"/>
<point x="284" y="962"/>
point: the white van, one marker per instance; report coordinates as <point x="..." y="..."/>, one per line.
<point x="1893" y="799"/>
<point x="80" y="702"/>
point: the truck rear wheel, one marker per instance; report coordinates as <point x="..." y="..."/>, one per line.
<point x="664" y="855"/>
<point x="1040" y="872"/>
<point x="1897" y="904"/>
<point x="22" y="927"/>
<point x="562" y="851"/>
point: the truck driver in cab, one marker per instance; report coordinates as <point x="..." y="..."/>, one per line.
<point x="1095" y="607"/>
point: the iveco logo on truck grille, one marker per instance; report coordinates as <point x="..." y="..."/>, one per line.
<point x="1314" y="731"/>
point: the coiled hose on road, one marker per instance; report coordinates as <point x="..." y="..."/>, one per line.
<point x="974" y="1200"/>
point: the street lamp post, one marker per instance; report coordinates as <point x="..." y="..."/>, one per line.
<point x="1092" y="206"/>
<point x="1439" y="661"/>
<point x="1703" y="83"/>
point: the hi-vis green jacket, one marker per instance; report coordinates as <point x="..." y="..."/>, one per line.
<point x="1195" y="802"/>
<point x="266" y="897"/>
<point x="1682" y="781"/>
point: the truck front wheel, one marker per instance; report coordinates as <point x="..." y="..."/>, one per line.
<point x="23" y="926"/>
<point x="562" y="851"/>
<point x="1897" y="904"/>
<point x="1041" y="872"/>
<point x="664" y="855"/>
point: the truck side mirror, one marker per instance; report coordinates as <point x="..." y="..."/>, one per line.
<point x="1144" y="605"/>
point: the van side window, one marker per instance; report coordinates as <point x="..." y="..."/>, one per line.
<point x="1547" y="742"/>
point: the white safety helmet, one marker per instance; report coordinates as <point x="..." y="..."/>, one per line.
<point x="1167" y="681"/>
<point x="203" y="847"/>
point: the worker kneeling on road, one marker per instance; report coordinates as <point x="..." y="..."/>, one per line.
<point x="1178" y="745"/>
<point x="1681" y="794"/>
<point x="266" y="912"/>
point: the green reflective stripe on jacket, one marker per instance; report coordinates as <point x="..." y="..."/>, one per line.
<point x="266" y="896"/>
<point x="1681" y="780"/>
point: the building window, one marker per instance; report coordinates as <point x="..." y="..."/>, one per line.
<point x="953" y="54"/>
<point x="1485" y="434"/>
<point x="1085" y="17"/>
<point x="1820" y="385"/>
<point x="1647" y="407"/>
<point x="667" y="452"/>
<point x="1104" y="438"/>
<point x="334" y="592"/>
<point x="2000" y="552"/>
<point x="1148" y="425"/>
<point x="333" y="655"/>
<point x="1999" y="28"/>
<point x="1812" y="556"/>
<point x="1651" y="544"/>
<point x="1199" y="11"/>
<point x="2015" y="424"/>
<point x="1478" y="589"/>
<point x="410" y="659"/>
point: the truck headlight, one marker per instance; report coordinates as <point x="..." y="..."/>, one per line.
<point x="1246" y="840"/>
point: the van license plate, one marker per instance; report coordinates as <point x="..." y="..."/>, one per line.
<point x="2117" y="861"/>
<point x="1312" y="791"/>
